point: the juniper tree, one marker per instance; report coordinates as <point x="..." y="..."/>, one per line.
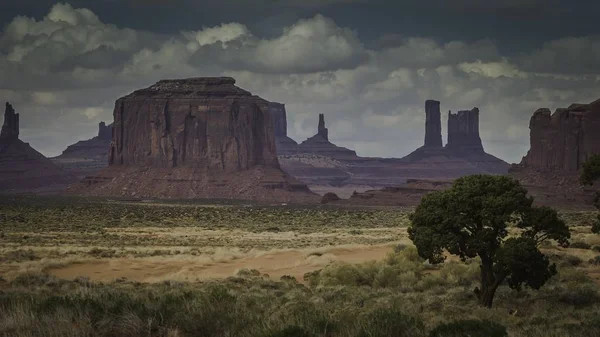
<point x="473" y="218"/>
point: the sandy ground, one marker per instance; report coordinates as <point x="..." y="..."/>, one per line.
<point x="275" y="263"/>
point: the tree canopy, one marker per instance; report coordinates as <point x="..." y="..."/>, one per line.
<point x="472" y="219"/>
<point x="590" y="173"/>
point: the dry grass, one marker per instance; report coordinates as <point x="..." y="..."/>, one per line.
<point x="167" y="269"/>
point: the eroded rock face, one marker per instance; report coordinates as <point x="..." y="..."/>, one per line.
<point x="284" y="145"/>
<point x="200" y="122"/>
<point x="10" y="128"/>
<point x="433" y="125"/>
<point x="319" y="144"/>
<point x="463" y="131"/>
<point x="22" y="168"/>
<point x="104" y="131"/>
<point x="194" y="138"/>
<point x="87" y="157"/>
<point x="563" y="141"/>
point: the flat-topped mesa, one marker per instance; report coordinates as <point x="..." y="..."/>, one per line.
<point x="322" y="130"/>
<point x="10" y="128"/>
<point x="564" y="140"/>
<point x="463" y="131"/>
<point x="433" y="124"/>
<point x="104" y="131"/>
<point x="193" y="87"/>
<point x="204" y="123"/>
<point x="284" y="144"/>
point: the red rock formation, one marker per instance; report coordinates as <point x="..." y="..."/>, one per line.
<point x="104" y="131"/>
<point x="194" y="138"/>
<point x="319" y="144"/>
<point x="23" y="169"/>
<point x="433" y="125"/>
<point x="10" y="128"/>
<point x="199" y="122"/>
<point x="321" y="129"/>
<point x="284" y="145"/>
<point x="463" y="131"/>
<point x="87" y="157"/>
<point x="563" y="141"/>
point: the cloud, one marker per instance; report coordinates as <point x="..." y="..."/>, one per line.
<point x="65" y="70"/>
<point x="572" y="55"/>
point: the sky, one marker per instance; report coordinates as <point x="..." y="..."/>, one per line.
<point x="368" y="65"/>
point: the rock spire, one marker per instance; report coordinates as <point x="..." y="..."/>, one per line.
<point x="10" y="128"/>
<point x="433" y="124"/>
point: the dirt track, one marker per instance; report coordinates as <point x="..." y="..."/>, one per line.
<point x="274" y="263"/>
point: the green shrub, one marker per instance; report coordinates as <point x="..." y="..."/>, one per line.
<point x="596" y="248"/>
<point x="389" y="322"/>
<point x="292" y="331"/>
<point x="469" y="328"/>
<point x="580" y="245"/>
<point x="595" y="261"/>
<point x="571" y="260"/>
<point x="580" y="297"/>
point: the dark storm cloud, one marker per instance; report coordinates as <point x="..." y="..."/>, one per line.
<point x="368" y="65"/>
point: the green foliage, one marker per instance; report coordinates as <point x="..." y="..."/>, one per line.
<point x="389" y="322"/>
<point x="292" y="331"/>
<point x="580" y="245"/>
<point x="590" y="170"/>
<point x="470" y="328"/>
<point x="596" y="226"/>
<point x="472" y="218"/>
<point x="520" y="262"/>
<point x="595" y="261"/>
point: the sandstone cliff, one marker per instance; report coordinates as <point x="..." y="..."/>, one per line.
<point x="560" y="143"/>
<point x="433" y="125"/>
<point x="463" y="132"/>
<point x="87" y="157"/>
<point x="194" y="138"/>
<point x="23" y="169"/>
<point x="463" y="154"/>
<point x="563" y="141"/>
<point x="284" y="145"/>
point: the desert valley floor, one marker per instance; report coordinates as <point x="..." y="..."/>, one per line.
<point x="338" y="262"/>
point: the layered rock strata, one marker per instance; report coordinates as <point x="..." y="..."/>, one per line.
<point x="560" y="143"/>
<point x="564" y="140"/>
<point x="194" y="138"/>
<point x="463" y="132"/>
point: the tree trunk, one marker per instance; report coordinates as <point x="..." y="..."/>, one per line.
<point x="489" y="283"/>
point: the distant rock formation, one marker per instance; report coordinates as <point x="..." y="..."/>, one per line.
<point x="463" y="132"/>
<point x="319" y="144"/>
<point x="10" y="128"/>
<point x="284" y="145"/>
<point x="563" y="141"/>
<point x="23" y="169"/>
<point x="194" y="138"/>
<point x="464" y="151"/>
<point x="560" y="143"/>
<point x="433" y="125"/>
<point x="407" y="194"/>
<point x="104" y="131"/>
<point x="87" y="157"/>
<point x="321" y="129"/>
<point x="329" y="197"/>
